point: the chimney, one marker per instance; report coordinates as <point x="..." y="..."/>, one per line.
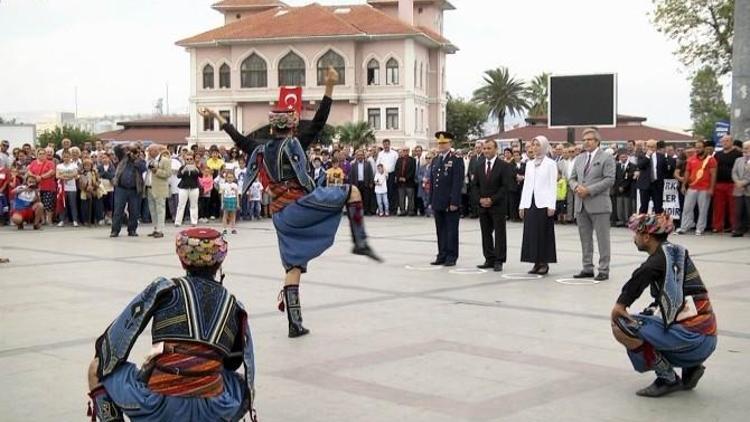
<point x="406" y="11"/>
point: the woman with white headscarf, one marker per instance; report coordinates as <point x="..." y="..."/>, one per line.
<point x="537" y="208"/>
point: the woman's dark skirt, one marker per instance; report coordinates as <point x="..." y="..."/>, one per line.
<point x="538" y="244"/>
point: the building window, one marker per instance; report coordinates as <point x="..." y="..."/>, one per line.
<point x="208" y="124"/>
<point x="253" y="73"/>
<point x="225" y="76"/>
<point x="291" y="70"/>
<point x="208" y="76"/>
<point x="225" y="114"/>
<point x="391" y="118"/>
<point x="415" y="74"/>
<point x="391" y="72"/>
<point x="421" y="74"/>
<point x="331" y="58"/>
<point x="373" y="118"/>
<point x="373" y="72"/>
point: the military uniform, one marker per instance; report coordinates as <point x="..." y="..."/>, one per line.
<point x="447" y="175"/>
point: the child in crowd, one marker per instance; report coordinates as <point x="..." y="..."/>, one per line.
<point x="206" y="182"/>
<point x="265" y="202"/>
<point x="240" y="174"/>
<point x="229" y="192"/>
<point x="381" y="191"/>
<point x="256" y="196"/>
<point x="27" y="207"/>
<point x="562" y="193"/>
<point x="4" y="183"/>
<point x="335" y="174"/>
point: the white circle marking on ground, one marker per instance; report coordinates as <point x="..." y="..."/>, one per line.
<point x="577" y="281"/>
<point x="521" y="276"/>
<point x="423" y="267"/>
<point x="467" y="271"/>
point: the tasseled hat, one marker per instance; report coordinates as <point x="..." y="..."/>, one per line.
<point x="651" y="223"/>
<point x="200" y="247"/>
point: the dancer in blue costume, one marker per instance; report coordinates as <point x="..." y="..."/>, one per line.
<point x="306" y="214"/>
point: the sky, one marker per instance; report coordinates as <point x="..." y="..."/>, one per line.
<point x="120" y="54"/>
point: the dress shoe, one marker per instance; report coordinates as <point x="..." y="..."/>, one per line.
<point x="601" y="277"/>
<point x="584" y="274"/>
<point x="114" y="234"/>
<point x="157" y="235"/>
<point x="152" y="234"/>
<point x="660" y="387"/>
<point x="365" y="250"/>
<point x="543" y="269"/>
<point x="486" y="265"/>
<point x="449" y="264"/>
<point x="498" y="267"/>
<point x="737" y="234"/>
<point x="438" y="262"/>
<point x="535" y="269"/>
<point x="134" y="234"/>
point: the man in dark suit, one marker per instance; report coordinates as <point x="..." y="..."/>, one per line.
<point x="624" y="173"/>
<point x="447" y="175"/>
<point x="406" y="170"/>
<point x="474" y="161"/>
<point x="653" y="168"/>
<point x="493" y="178"/>
<point x="362" y="176"/>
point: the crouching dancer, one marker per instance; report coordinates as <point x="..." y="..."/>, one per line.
<point x="306" y="216"/>
<point x="200" y="336"/>
<point x="679" y="328"/>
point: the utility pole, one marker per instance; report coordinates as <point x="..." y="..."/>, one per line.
<point x="740" y="112"/>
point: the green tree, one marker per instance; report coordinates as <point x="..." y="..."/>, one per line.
<point x="464" y="119"/>
<point x="356" y="134"/>
<point x="77" y="136"/>
<point x="536" y="95"/>
<point x="8" y="122"/>
<point x="707" y="105"/>
<point x="703" y="30"/>
<point x="502" y="95"/>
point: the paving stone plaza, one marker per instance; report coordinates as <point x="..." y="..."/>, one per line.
<point x="400" y="341"/>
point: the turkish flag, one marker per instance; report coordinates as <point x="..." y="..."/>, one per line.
<point x="290" y="98"/>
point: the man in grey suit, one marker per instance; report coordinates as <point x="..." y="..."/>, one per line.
<point x="592" y="178"/>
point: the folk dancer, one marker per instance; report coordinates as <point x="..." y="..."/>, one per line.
<point x="306" y="216"/>
<point x="679" y="327"/>
<point x="200" y="336"/>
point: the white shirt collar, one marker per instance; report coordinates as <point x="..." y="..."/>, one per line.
<point x="491" y="161"/>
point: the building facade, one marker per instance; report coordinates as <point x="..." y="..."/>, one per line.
<point x="390" y="56"/>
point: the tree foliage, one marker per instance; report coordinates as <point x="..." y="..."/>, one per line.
<point x="356" y="134"/>
<point x="502" y="94"/>
<point x="707" y="105"/>
<point x="77" y="136"/>
<point x="464" y="119"/>
<point x="536" y="95"/>
<point x="703" y="30"/>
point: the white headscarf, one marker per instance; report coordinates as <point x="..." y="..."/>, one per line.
<point x="543" y="149"/>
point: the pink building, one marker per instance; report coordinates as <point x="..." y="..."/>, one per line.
<point x="390" y="55"/>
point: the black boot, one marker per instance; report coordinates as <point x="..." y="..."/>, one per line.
<point x="103" y="408"/>
<point x="293" y="311"/>
<point x="356" y="223"/>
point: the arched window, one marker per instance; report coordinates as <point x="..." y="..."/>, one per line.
<point x="391" y="72"/>
<point x="291" y="70"/>
<point x="331" y="58"/>
<point x="253" y="72"/>
<point x="373" y="72"/>
<point x="421" y="74"/>
<point x="208" y="76"/>
<point x="225" y="76"/>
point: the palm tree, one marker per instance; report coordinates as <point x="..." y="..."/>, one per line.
<point x="502" y="94"/>
<point x="356" y="134"/>
<point x="536" y="95"/>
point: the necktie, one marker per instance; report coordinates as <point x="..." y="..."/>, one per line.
<point x="588" y="165"/>
<point x="487" y="172"/>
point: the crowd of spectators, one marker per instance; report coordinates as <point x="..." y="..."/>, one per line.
<point x="77" y="186"/>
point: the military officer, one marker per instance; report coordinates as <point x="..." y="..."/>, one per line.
<point x="447" y="175"/>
